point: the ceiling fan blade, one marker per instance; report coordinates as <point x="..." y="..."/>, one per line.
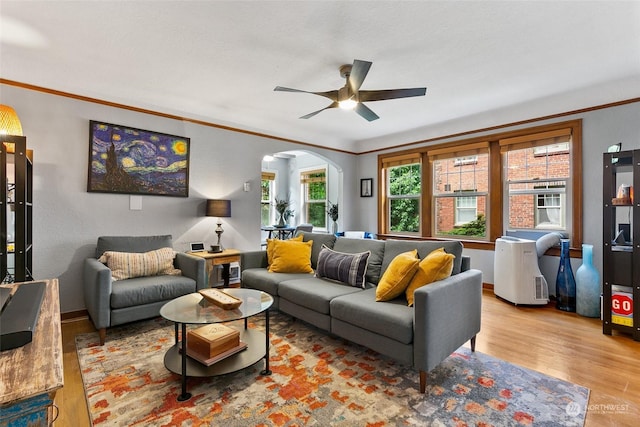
<point x="331" y="94"/>
<point x="365" y="112"/>
<point x="359" y="71"/>
<point x="380" y="95"/>
<point x="334" y="104"/>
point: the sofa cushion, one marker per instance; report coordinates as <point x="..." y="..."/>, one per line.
<point x="424" y="247"/>
<point x="319" y="240"/>
<point x="271" y="244"/>
<point x="146" y="290"/>
<point x="314" y="293"/>
<point x="263" y="280"/>
<point x="392" y="319"/>
<point x="346" y="268"/>
<point x="127" y="265"/>
<point x="376" y="247"/>
<point x="396" y="277"/>
<point x="290" y="256"/>
<point x="435" y="266"/>
<point x="132" y="243"/>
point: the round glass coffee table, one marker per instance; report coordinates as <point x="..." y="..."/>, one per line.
<point x="195" y="309"/>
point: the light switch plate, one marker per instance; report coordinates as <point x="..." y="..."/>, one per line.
<point x="135" y="203"/>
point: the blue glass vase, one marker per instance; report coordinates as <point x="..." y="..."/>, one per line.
<point x="587" y="285"/>
<point x="565" y="281"/>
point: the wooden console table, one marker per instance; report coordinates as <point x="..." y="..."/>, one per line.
<point x="224" y="258"/>
<point x="30" y="375"/>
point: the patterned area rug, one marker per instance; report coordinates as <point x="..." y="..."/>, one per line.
<point x="317" y="380"/>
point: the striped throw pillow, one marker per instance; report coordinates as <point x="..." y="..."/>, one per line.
<point x="343" y="267"/>
<point x="126" y="265"/>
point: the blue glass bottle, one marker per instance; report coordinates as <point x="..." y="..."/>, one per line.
<point x="587" y="285"/>
<point x="565" y="281"/>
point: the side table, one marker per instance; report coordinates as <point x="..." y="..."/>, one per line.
<point x="224" y="258"/>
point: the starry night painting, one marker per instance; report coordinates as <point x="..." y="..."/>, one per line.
<point x="135" y="161"/>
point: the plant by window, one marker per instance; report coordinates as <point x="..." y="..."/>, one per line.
<point x="333" y="211"/>
<point x="282" y="205"/>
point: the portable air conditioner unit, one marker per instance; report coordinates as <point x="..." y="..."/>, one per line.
<point x="517" y="276"/>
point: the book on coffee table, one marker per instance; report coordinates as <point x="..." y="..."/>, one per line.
<point x="210" y="361"/>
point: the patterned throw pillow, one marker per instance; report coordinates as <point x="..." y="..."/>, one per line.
<point x="343" y="267"/>
<point x="126" y="265"/>
<point x="291" y="256"/>
<point x="396" y="277"/>
<point x="438" y="265"/>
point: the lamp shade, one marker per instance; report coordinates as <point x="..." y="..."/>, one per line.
<point x="9" y="121"/>
<point x="219" y="208"/>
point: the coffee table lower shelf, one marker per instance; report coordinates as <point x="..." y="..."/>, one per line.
<point x="256" y="350"/>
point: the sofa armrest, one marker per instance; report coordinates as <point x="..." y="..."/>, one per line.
<point x="96" y="279"/>
<point x="253" y="259"/>
<point x="446" y="315"/>
<point x="193" y="268"/>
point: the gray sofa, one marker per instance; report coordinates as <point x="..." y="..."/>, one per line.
<point x="445" y="315"/>
<point x="112" y="303"/>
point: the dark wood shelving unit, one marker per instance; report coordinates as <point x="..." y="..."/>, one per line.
<point x="621" y="244"/>
<point x="17" y="202"/>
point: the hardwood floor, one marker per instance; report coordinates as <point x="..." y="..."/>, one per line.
<point x="562" y="345"/>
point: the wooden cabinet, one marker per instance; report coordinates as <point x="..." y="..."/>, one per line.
<point x="16" y="213"/>
<point x="621" y="244"/>
<point x="30" y="375"/>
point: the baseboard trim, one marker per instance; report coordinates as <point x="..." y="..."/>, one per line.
<point x="71" y="316"/>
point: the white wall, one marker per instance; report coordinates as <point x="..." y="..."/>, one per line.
<point x="68" y="219"/>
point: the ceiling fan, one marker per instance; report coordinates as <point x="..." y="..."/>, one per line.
<point x="351" y="97"/>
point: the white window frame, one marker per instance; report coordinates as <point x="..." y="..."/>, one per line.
<point x="390" y="198"/>
<point x="271" y="201"/>
<point x="471" y="207"/>
<point x="304" y="202"/>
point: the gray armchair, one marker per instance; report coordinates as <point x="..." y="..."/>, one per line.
<point x="112" y="303"/>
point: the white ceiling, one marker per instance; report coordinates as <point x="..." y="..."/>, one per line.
<point x="483" y="63"/>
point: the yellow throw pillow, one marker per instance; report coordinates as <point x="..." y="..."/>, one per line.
<point x="435" y="266"/>
<point x="397" y="276"/>
<point x="290" y="256"/>
<point x="270" y="245"/>
<point x="125" y="265"/>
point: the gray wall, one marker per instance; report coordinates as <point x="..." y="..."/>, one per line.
<point x="600" y="128"/>
<point x="68" y="219"/>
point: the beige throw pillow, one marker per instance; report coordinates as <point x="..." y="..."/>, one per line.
<point x="127" y="265"/>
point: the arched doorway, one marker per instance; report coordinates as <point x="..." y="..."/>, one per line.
<point x="308" y="181"/>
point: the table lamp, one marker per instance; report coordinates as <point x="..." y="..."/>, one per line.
<point x="221" y="209"/>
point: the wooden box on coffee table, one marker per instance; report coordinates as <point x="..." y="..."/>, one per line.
<point x="211" y="340"/>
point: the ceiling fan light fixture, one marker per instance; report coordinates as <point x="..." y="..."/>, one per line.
<point x="347" y="104"/>
<point x="350" y="97"/>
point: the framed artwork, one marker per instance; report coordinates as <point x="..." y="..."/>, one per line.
<point x="135" y="161"/>
<point x="366" y="187"/>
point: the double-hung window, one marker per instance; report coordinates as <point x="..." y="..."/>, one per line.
<point x="460" y="189"/>
<point x="403" y="185"/>
<point x="314" y="190"/>
<point x="525" y="180"/>
<point x="537" y="180"/>
<point x="267" y="186"/>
